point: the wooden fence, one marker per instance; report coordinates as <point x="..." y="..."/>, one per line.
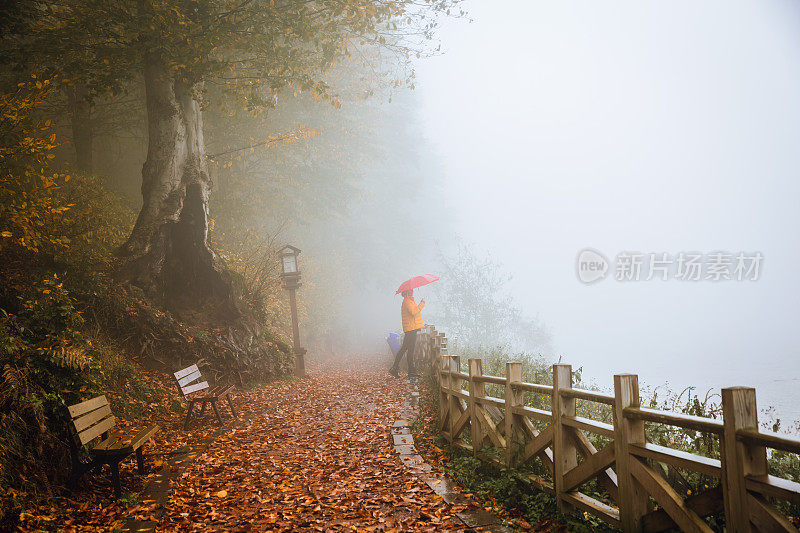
<point x="509" y="433"/>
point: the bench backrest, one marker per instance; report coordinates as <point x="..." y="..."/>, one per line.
<point x="185" y="378"/>
<point x="92" y="418"/>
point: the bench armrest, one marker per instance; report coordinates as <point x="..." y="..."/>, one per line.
<point x="143" y="436"/>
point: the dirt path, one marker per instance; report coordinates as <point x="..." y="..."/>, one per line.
<point x="320" y="459"/>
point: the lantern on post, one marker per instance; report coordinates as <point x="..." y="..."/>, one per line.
<point x="288" y="256"/>
<point x="290" y="276"/>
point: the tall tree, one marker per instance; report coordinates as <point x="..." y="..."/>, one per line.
<point x="255" y="49"/>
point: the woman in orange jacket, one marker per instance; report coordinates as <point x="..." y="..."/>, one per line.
<point x="412" y="323"/>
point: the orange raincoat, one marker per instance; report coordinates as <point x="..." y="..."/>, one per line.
<point x="410" y="311"/>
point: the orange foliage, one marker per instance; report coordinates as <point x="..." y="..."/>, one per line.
<point x="26" y="181"/>
<point x="44" y="209"/>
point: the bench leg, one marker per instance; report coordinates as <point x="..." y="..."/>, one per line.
<point x="115" y="479"/>
<point x="230" y="402"/>
<point x="77" y="470"/>
<point x="188" y="415"/>
<point x="139" y="461"/>
<point x="216" y="411"/>
<point x="74" y="476"/>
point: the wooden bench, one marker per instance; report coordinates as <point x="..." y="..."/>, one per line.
<point x="196" y="393"/>
<point x="93" y="419"/>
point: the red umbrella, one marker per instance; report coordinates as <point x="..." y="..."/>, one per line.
<point x="416" y="281"/>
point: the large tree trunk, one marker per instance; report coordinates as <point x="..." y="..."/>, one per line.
<point x="82" y="130"/>
<point x="167" y="253"/>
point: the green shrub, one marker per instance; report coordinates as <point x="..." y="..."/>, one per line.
<point x="45" y="362"/>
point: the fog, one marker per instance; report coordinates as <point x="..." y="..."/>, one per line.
<point x="632" y="126"/>
<point x="540" y="130"/>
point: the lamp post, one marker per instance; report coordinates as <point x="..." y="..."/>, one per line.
<point x="290" y="276"/>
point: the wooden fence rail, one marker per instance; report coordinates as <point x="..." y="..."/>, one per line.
<point x="509" y="433"/>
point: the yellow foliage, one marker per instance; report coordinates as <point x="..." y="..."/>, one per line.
<point x="44" y="210"/>
<point x="26" y="204"/>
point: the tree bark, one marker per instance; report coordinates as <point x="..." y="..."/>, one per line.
<point x="167" y="253"/>
<point x="82" y="130"/>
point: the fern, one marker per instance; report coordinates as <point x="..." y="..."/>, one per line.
<point x="72" y="357"/>
<point x="15" y="383"/>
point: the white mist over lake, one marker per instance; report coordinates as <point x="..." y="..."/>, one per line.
<point x="642" y="126"/>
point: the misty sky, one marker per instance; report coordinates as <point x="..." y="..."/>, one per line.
<point x="636" y="125"/>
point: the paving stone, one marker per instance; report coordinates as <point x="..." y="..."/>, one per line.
<point x="445" y="489"/>
<point x="441" y="484"/>
<point x="420" y="470"/>
<point x="455" y="498"/>
<point x="405" y="449"/>
<point x="401" y="423"/>
<point x="402" y="439"/>
<point x="401" y="431"/>
<point x="412" y="460"/>
<point x="478" y="518"/>
<point x="430" y="479"/>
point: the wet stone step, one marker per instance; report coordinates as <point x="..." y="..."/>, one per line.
<point x="447" y="490"/>
<point x="402" y="439"/>
<point x="412" y="461"/>
<point x="440" y="485"/>
<point x="479" y="518"/>
<point x="405" y="449"/>
<point x="419" y="470"/>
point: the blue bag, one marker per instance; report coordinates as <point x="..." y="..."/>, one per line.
<point x="394" y="342"/>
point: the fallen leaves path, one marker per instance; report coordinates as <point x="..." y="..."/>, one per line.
<point x="321" y="459"/>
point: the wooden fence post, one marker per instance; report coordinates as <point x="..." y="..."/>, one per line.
<point x="514" y="398"/>
<point x="437" y="364"/>
<point x="433" y="357"/>
<point x="633" y="500"/>
<point x="477" y="389"/>
<point x="423" y="347"/>
<point x="565" y="455"/>
<point x="739" y="458"/>
<point x="434" y="344"/>
<point x="444" y="393"/>
<point x="455" y="401"/>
